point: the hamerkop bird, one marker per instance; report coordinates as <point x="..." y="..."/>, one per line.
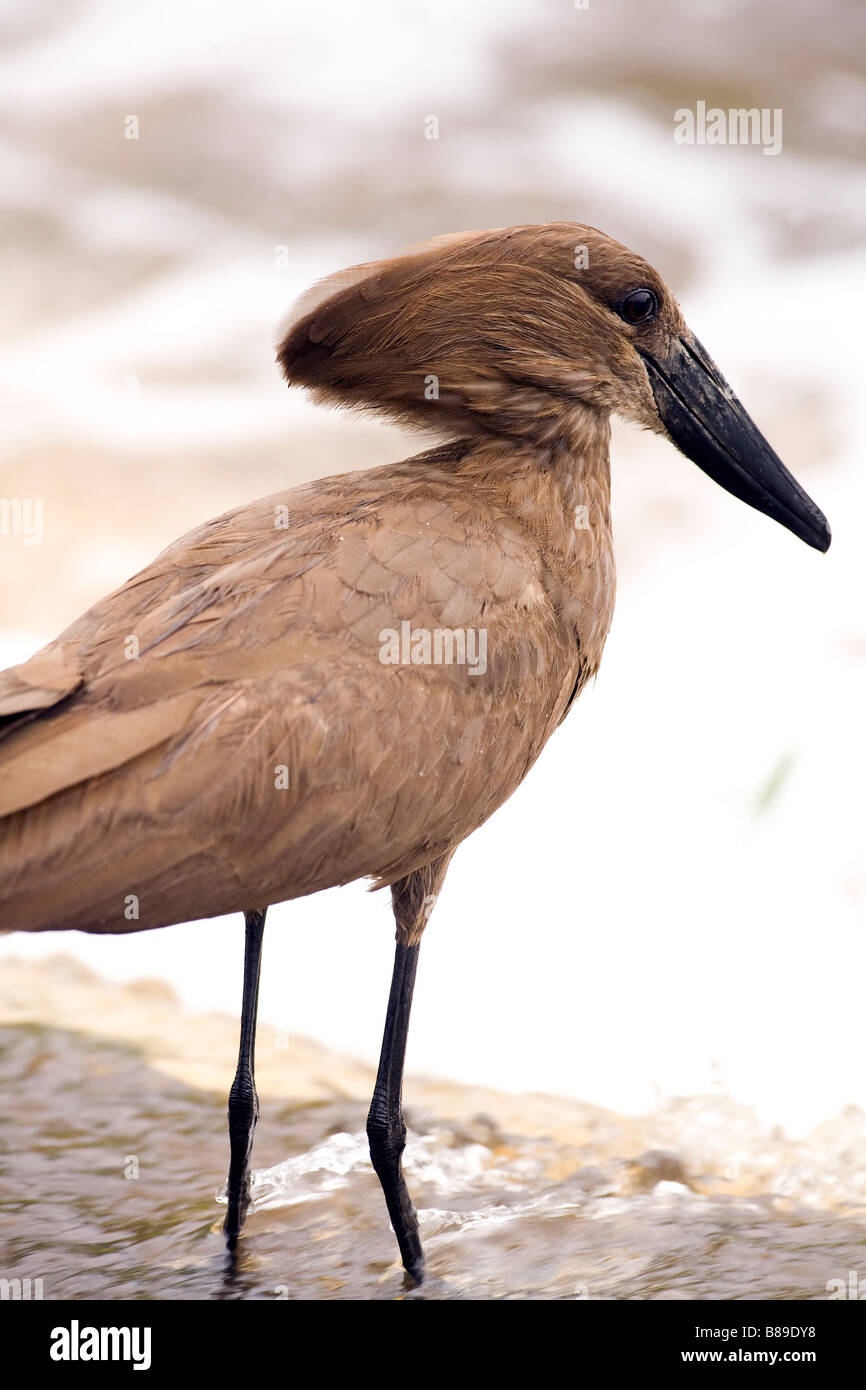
<point x="345" y="680"/>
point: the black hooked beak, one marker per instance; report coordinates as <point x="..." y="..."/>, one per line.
<point x="706" y="421"/>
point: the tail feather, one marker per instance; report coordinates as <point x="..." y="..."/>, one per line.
<point x="37" y="684"/>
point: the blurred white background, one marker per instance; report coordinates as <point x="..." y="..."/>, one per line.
<point x="676" y="898"/>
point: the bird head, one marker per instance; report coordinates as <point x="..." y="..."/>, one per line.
<point x="523" y="332"/>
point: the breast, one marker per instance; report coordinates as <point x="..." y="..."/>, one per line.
<point x="398" y="751"/>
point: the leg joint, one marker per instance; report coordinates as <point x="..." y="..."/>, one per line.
<point x="243" y="1091"/>
<point x="386" y="1134"/>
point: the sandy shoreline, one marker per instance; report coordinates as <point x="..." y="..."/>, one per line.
<point x="519" y="1196"/>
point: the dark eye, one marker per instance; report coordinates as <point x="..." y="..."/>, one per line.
<point x="639" y="306"/>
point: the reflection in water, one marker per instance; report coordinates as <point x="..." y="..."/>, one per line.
<point x="112" y="1170"/>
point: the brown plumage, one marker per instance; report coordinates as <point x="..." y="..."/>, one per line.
<point x="222" y="733"/>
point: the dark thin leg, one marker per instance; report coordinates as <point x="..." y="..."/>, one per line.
<point x="243" y="1101"/>
<point x="386" y="1128"/>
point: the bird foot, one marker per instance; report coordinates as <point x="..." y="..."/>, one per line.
<point x="414" y="1272"/>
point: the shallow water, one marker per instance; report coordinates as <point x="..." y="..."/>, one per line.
<point x="694" y="1201"/>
